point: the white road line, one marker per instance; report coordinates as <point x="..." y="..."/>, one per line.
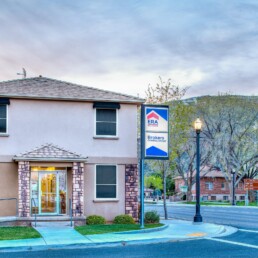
<point x="232" y="243"/>
<point x="247" y="230"/>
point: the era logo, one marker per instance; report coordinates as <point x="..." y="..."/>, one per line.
<point x="153" y="119"/>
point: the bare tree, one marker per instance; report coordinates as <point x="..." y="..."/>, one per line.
<point x="229" y="127"/>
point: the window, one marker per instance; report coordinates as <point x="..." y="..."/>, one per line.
<point x="3" y="118"/>
<point x="240" y="186"/>
<point x="241" y="197"/>
<point x="106" y="122"/>
<point x="223" y="186"/>
<point x="205" y="198"/>
<point x="225" y="198"/>
<point x="209" y="186"/>
<point x="213" y="198"/>
<point x="106" y="182"/>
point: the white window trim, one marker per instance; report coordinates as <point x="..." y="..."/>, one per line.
<point x="210" y="186"/>
<point x="7" y="121"/>
<point x="95" y="126"/>
<point x="95" y="184"/>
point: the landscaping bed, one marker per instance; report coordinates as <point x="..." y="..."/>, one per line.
<point x="102" y="229"/>
<point x="12" y="233"/>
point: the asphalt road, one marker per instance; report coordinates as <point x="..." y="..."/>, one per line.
<point x="240" y="244"/>
<point x="243" y="243"/>
<point x="240" y="217"/>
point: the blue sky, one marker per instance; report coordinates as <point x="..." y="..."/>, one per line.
<point x="209" y="45"/>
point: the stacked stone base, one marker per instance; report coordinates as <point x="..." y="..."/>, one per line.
<point x="131" y="191"/>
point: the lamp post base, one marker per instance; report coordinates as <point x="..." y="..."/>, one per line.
<point x="198" y="218"/>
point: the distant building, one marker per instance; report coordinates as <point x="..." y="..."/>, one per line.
<point x="213" y="187"/>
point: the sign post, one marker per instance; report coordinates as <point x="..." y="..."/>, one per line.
<point x="154" y="141"/>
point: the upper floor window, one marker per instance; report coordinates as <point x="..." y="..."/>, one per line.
<point x="106" y="122"/>
<point x="209" y="186"/>
<point x="3" y="118"/>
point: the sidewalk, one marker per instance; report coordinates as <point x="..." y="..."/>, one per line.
<point x="60" y="235"/>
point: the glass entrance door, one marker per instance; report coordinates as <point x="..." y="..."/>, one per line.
<point x="48" y="193"/>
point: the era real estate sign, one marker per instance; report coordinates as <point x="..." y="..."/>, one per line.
<point x="156" y="132"/>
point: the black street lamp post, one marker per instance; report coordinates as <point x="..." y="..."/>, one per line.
<point x="198" y="127"/>
<point x="233" y="187"/>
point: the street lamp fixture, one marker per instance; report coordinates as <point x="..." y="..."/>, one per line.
<point x="198" y="128"/>
<point x="198" y="125"/>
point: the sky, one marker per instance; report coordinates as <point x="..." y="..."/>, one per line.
<point x="210" y="46"/>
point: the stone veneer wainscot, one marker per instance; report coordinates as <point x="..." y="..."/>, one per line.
<point x="131" y="190"/>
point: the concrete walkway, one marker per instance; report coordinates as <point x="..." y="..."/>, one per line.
<point x="61" y="235"/>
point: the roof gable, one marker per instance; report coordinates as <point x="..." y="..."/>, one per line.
<point x="46" y="88"/>
<point x="49" y="152"/>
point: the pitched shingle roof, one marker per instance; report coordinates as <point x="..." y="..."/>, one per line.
<point x="49" y="152"/>
<point x="46" y="88"/>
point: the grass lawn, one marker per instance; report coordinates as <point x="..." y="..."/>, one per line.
<point x="11" y="233"/>
<point x="101" y="229"/>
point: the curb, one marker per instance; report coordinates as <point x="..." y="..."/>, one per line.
<point x="147" y="230"/>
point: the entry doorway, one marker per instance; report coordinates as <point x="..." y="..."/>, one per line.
<point x="49" y="191"/>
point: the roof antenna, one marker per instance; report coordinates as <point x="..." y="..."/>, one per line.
<point x="24" y="74"/>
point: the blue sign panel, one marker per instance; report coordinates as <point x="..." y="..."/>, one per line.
<point x="156" y="132"/>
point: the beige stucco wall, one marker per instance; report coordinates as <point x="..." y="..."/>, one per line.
<point x="70" y="125"/>
<point x="8" y="188"/>
<point x="105" y="208"/>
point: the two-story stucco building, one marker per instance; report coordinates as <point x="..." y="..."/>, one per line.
<point x="60" y="141"/>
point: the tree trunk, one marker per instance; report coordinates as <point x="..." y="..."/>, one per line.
<point x="189" y="190"/>
<point x="230" y="187"/>
<point x="165" y="192"/>
<point x="189" y="195"/>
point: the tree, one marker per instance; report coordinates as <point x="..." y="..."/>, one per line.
<point x="230" y="127"/>
<point x="164" y="93"/>
<point x="153" y="182"/>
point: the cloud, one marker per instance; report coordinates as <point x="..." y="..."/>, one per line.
<point x="211" y="45"/>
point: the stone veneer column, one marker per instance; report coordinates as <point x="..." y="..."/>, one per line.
<point x="131" y="190"/>
<point x="24" y="188"/>
<point x="78" y="189"/>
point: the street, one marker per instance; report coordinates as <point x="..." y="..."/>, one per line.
<point x="243" y="243"/>
<point x="240" y="217"/>
<point x="240" y="244"/>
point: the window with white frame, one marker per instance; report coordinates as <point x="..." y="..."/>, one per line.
<point x="106" y="122"/>
<point x="106" y="182"/>
<point x="209" y="186"/>
<point x="3" y="118"/>
<point x="223" y="187"/>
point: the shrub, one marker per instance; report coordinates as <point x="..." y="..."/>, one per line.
<point x="124" y="219"/>
<point x="95" y="220"/>
<point x="151" y="217"/>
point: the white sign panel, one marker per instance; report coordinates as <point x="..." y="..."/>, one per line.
<point x="156" y="145"/>
<point x="156" y="132"/>
<point x="156" y="119"/>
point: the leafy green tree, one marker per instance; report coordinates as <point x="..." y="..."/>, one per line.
<point x="153" y="182"/>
